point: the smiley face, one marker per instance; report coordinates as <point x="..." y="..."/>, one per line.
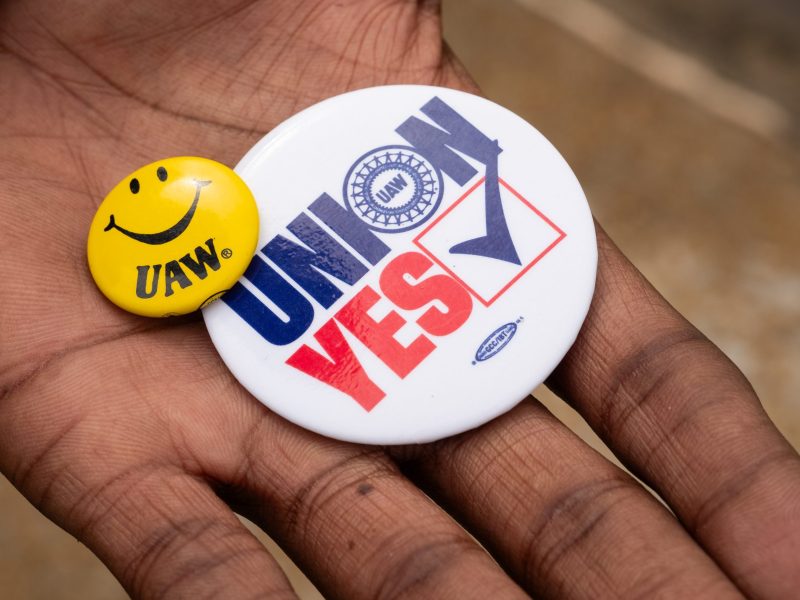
<point x="173" y="235"/>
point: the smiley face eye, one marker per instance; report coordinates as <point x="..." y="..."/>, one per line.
<point x="134" y="185"/>
<point x="161" y="172"/>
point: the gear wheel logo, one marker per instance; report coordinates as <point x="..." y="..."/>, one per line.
<point x="393" y="189"/>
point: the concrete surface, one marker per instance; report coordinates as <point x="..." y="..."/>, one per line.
<point x="706" y="207"/>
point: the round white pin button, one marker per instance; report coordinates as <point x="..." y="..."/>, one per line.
<point x="426" y="258"/>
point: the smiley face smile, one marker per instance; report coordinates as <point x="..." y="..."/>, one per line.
<point x="163" y="237"/>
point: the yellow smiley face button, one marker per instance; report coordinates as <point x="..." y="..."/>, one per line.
<point x="173" y="236"/>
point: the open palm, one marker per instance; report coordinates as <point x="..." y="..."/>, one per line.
<point x="131" y="434"/>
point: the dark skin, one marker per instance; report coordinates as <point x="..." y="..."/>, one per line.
<point x="130" y="434"/>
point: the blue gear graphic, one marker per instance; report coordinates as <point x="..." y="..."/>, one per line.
<point x="381" y="213"/>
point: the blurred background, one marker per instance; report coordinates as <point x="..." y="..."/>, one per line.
<point x="681" y="118"/>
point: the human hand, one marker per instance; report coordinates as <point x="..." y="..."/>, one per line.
<point x="132" y="435"/>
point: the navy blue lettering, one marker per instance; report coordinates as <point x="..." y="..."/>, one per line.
<point x="306" y="266"/>
<point x="398" y="182"/>
<point x="391" y="189"/>
<point x="350" y="228"/>
<point x="460" y="134"/>
<point x="457" y="133"/>
<point x="271" y="327"/>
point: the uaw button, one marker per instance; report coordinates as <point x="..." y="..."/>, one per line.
<point x="173" y="236"/>
<point x="428" y="259"/>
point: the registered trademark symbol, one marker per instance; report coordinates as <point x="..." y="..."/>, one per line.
<point x="474" y="363"/>
<point x="226" y="253"/>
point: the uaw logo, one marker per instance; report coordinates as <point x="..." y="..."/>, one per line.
<point x="393" y="189"/>
<point x="440" y="180"/>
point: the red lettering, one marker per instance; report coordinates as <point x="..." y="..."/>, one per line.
<point x="438" y="287"/>
<point x="378" y="336"/>
<point x="342" y="370"/>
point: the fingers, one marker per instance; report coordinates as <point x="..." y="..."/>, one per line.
<point x="353" y="523"/>
<point x="344" y="513"/>
<point x="685" y="420"/>
<point x="358" y="527"/>
<point x="107" y="475"/>
<point x="165" y="534"/>
<point x="560" y="518"/>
